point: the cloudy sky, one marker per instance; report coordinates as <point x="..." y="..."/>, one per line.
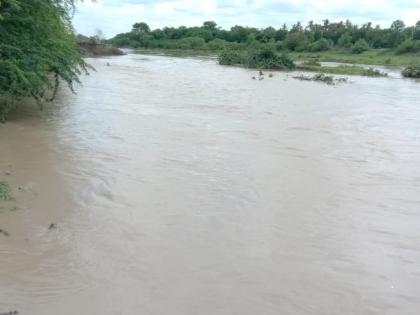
<point x="116" y="16"/>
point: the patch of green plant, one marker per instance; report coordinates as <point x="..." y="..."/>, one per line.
<point x="371" y="72"/>
<point x="342" y="69"/>
<point x="259" y="58"/>
<point x="320" y="77"/>
<point x="412" y="71"/>
<point x="4" y="191"/>
<point x="229" y="57"/>
<point x="408" y="46"/>
<point x="360" y="46"/>
<point x="370" y="57"/>
<point x="311" y="62"/>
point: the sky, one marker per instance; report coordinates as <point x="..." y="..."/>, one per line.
<point x="117" y="16"/>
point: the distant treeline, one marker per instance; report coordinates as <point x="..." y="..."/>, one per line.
<point x="312" y="37"/>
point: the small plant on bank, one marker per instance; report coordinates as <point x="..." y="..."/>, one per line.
<point x="4" y="191"/>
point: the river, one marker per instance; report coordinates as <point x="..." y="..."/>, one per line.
<point x="181" y="187"/>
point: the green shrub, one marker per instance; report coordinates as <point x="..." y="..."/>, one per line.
<point x="360" y="46"/>
<point x="217" y="44"/>
<point x="408" y="46"/>
<point x="4" y="191"/>
<point x="269" y="59"/>
<point x="230" y="57"/>
<point x="296" y="41"/>
<point x="345" y="40"/>
<point x="265" y="58"/>
<point x="320" y="45"/>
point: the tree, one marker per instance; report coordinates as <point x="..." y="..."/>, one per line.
<point x="397" y="26"/>
<point x="38" y="49"/>
<point x="140" y="28"/>
<point x="416" y="34"/>
<point x="210" y="25"/>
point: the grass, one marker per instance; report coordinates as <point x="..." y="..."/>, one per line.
<point x="4" y="191"/>
<point x="342" y="69"/>
<point x="371" y="57"/>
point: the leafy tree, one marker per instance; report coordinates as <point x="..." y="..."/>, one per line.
<point x="38" y="49"/>
<point x="210" y="25"/>
<point x="416" y="34"/>
<point x="397" y="26"/>
<point x="141" y="28"/>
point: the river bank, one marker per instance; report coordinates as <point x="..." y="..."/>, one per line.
<point x="343" y="63"/>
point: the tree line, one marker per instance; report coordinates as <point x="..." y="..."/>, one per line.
<point x="312" y="37"/>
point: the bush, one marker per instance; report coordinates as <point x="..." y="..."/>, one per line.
<point x="345" y="40"/>
<point x="360" y="46"/>
<point x="4" y="191"/>
<point x="409" y="46"/>
<point x="412" y="71"/>
<point x="269" y="59"/>
<point x="217" y="44"/>
<point x="296" y="41"/>
<point x="229" y="57"/>
<point x="265" y="58"/>
<point x="320" y="45"/>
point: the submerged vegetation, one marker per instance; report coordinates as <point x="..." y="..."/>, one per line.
<point x="38" y="49"/>
<point x="342" y="69"/>
<point x="412" y="71"/>
<point x="4" y="191"/>
<point x="321" y="77"/>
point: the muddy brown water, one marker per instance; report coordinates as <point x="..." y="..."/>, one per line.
<point x="179" y="187"/>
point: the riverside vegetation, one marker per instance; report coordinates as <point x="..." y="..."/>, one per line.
<point x="38" y="47"/>
<point x="397" y="45"/>
<point x="38" y="50"/>
<point x="4" y="191"/>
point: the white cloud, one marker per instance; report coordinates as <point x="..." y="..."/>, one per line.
<point x="117" y="16"/>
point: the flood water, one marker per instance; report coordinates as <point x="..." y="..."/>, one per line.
<point x="181" y="187"/>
